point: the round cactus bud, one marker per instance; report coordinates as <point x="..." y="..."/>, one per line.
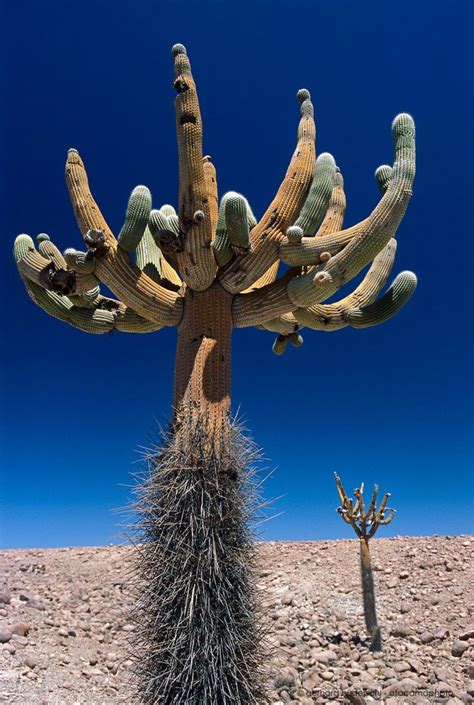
<point x="321" y="278"/>
<point x="207" y="158"/>
<point x="294" y="234"/>
<point x="325" y="256"/>
<point x="383" y="174"/>
<point x="296" y="340"/>
<point x="302" y="95"/>
<point x="279" y="346"/>
<point x="199" y="216"/>
<point x="178" y="49"/>
<point x="42" y="237"/>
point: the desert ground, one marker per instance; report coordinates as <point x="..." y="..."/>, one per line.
<point x="65" y="625"/>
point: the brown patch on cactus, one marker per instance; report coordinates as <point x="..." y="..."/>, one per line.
<point x="188" y="118"/>
<point x="62" y="281"/>
<point x="180" y="86"/>
<point x="96" y="242"/>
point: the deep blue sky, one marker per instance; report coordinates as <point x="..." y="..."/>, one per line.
<point x="390" y="404"/>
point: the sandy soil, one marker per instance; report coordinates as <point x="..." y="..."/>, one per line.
<point x="64" y="627"/>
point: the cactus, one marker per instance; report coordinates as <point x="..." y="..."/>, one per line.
<point x="365" y="524"/>
<point x="206" y="268"/>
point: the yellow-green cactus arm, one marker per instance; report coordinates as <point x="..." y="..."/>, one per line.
<point x="319" y="195"/>
<point x="334" y="217"/>
<point x="210" y="177"/>
<point x="101" y="317"/>
<point x="136" y="219"/>
<point x="400" y="292"/>
<point x="113" y="267"/>
<point x="285" y="325"/>
<point x="330" y="317"/>
<point x="196" y="260"/>
<point x="361" y="242"/>
<point x="148" y="256"/>
<point x="259" y="266"/>
<point x="373" y="234"/>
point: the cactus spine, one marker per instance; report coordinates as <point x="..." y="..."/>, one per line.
<point x="206" y="268"/>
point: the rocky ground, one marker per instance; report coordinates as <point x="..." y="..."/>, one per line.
<point x="64" y="628"/>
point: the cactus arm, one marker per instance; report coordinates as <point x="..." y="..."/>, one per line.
<point x="166" y="236"/>
<point x="261" y="305"/>
<point x="113" y="267"/>
<point x="341" y="491"/>
<point x="373" y="502"/>
<point x="330" y="317"/>
<point x="258" y="267"/>
<point x="173" y="223"/>
<point x="220" y="243"/>
<point x="387" y="520"/>
<point x="400" y="291"/>
<point x="95" y="318"/>
<point x="136" y="219"/>
<point x="237" y="223"/>
<point x="387" y="214"/>
<point x="285" y="325"/>
<point x="374" y="232"/>
<point x="148" y="256"/>
<point x="383" y="174"/>
<point x="168" y="210"/>
<point x="317" y="200"/>
<point x="210" y="177"/>
<point x="196" y="260"/>
<point x="314" y="207"/>
<point x="79" y="261"/>
<point x="151" y="261"/>
<point x="334" y="217"/>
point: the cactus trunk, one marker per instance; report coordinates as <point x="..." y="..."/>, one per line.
<point x="368" y="593"/>
<point x="202" y="373"/>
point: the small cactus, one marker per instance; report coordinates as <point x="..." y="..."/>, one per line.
<point x="365" y="524"/>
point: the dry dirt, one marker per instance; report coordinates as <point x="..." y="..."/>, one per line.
<point x="68" y="608"/>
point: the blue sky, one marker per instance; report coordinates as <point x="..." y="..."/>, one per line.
<point x="391" y="404"/>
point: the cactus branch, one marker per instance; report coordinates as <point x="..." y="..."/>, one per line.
<point x="113" y="268"/>
<point x="249" y="270"/>
<point x="196" y="261"/>
<point x="374" y="233"/>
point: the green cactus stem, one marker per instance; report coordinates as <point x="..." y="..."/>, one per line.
<point x="136" y="219"/>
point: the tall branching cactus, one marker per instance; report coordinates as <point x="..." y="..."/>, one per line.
<point x="365" y="523"/>
<point x="207" y="269"/>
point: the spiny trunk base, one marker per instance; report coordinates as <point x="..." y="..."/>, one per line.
<point x="199" y="639"/>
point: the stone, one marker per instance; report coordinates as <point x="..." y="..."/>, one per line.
<point x="427" y="637"/>
<point x="467" y="633"/>
<point x="5" y="597"/>
<point x="284" y="679"/>
<point x="325" y="657"/>
<point x="20" y="628"/>
<point x="401" y="630"/>
<point x="5" y="635"/>
<point x="459" y="647"/>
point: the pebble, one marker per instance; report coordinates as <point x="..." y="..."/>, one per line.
<point x="20" y="628"/>
<point x="459" y="647"/>
<point x="315" y="612"/>
<point x="5" y="597"/>
<point x="5" y="634"/>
